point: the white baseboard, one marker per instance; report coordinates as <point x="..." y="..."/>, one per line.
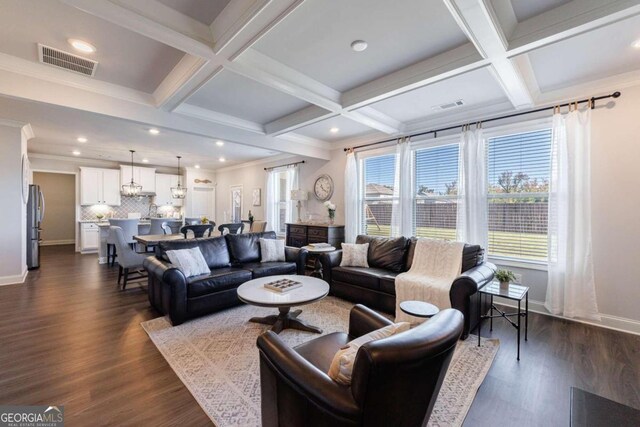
<point x="608" y="321"/>
<point x="14" y="280"/>
<point x="57" y="242"/>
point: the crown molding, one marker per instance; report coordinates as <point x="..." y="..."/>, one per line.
<point x="302" y="139"/>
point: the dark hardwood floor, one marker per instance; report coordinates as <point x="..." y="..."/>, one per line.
<point x="70" y="337"/>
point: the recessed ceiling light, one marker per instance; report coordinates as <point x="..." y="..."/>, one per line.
<point x="197" y="166"/>
<point x="154" y="131"/>
<point x="222" y="159"/>
<point x="82" y="46"/>
<point x="334" y="130"/>
<point x="359" y="45"/>
<point x="219" y="143"/>
<point x="145" y="160"/>
<point x="636" y="44"/>
<point x="76" y="153"/>
<point x="82" y="139"/>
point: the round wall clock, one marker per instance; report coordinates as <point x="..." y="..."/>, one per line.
<point x="323" y="188"/>
<point x="25" y="178"/>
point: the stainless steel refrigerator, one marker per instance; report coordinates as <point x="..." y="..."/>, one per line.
<point x="35" y="215"/>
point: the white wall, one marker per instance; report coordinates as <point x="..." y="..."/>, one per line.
<point x="13" y="251"/>
<point x="253" y="176"/>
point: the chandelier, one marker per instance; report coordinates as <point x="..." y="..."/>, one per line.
<point x="131" y="189"/>
<point x="178" y="192"/>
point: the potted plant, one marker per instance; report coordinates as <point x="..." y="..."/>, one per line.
<point x="204" y="220"/>
<point x="331" y="208"/>
<point x="504" y="277"/>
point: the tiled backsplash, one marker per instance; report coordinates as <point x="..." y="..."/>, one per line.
<point x="127" y="205"/>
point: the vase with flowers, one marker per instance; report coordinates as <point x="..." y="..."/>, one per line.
<point x="331" y="209"/>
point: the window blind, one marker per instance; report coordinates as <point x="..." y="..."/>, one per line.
<point x="519" y="167"/>
<point x="378" y="179"/>
<point x="436" y="192"/>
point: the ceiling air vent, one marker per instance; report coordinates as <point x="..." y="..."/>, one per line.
<point x="66" y="60"/>
<point x="449" y="105"/>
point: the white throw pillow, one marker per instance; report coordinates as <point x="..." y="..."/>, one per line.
<point x="342" y="363"/>
<point x="190" y="261"/>
<point x="354" y="255"/>
<point x="272" y="250"/>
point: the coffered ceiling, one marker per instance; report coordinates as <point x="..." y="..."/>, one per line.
<point x="276" y="76"/>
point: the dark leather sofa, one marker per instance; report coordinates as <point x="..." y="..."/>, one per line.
<point x="388" y="257"/>
<point x="395" y="381"/>
<point x="233" y="260"/>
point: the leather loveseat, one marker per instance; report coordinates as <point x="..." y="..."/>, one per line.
<point x="388" y="257"/>
<point x="232" y="259"/>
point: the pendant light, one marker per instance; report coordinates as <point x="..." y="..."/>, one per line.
<point x="132" y="189"/>
<point x="178" y="192"/>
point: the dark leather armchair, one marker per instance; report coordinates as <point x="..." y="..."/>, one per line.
<point x="395" y="380"/>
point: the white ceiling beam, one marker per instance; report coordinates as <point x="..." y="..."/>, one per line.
<point x="263" y="69"/>
<point x="479" y="22"/>
<point x="51" y="74"/>
<point x="33" y="89"/>
<point x="440" y="67"/>
<point x="375" y="119"/>
<point x="240" y="24"/>
<point x="305" y="117"/>
<point x="167" y="94"/>
<point x="220" y="118"/>
<point x="154" y="20"/>
<point x="569" y="20"/>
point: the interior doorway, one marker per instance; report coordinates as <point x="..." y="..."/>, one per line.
<point x="59" y="223"/>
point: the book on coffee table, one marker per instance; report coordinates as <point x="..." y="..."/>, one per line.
<point x="282" y="285"/>
<point x="319" y="245"/>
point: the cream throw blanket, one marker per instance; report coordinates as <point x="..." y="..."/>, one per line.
<point x="436" y="264"/>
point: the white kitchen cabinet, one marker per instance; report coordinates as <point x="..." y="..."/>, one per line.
<point x="146" y="177"/>
<point x="99" y="186"/>
<point x="89" y="237"/>
<point x="164" y="182"/>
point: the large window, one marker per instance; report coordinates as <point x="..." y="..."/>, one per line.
<point x="519" y="168"/>
<point x="436" y="191"/>
<point x="378" y="175"/>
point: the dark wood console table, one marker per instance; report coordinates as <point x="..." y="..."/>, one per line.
<point x="299" y="235"/>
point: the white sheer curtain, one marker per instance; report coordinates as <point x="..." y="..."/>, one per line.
<point x="351" y="199"/>
<point x="293" y="176"/>
<point x="570" y="284"/>
<point x="402" y="210"/>
<point x="270" y="201"/>
<point x="472" y="189"/>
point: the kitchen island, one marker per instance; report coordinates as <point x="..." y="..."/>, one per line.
<point x="93" y="235"/>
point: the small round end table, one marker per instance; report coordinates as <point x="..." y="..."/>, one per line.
<point x="419" y="309"/>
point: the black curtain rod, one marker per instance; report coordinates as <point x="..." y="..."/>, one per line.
<point x="282" y="166"/>
<point x="435" y="131"/>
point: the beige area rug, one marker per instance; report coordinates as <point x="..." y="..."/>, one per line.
<point x="217" y="359"/>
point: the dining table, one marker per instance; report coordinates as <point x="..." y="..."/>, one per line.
<point x="153" y="239"/>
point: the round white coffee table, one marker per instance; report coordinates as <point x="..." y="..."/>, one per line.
<point x="253" y="292"/>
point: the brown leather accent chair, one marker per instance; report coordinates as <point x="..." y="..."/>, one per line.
<point x="395" y="380"/>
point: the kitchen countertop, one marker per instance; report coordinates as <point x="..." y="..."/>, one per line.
<point x="106" y="222"/>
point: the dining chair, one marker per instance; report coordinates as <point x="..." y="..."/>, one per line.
<point x="128" y="259"/>
<point x="198" y="230"/>
<point x="156" y="225"/>
<point x="231" y="228"/>
<point x="129" y="229"/>
<point x="166" y="229"/>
